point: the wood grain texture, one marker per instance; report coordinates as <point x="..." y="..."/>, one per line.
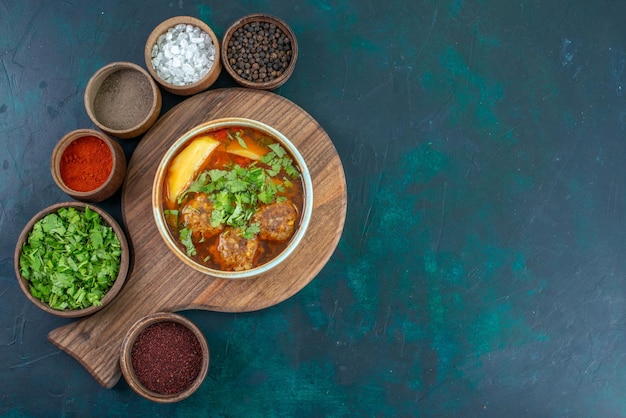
<point x="159" y="281"/>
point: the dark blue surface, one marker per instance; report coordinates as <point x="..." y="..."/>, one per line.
<point x="480" y="272"/>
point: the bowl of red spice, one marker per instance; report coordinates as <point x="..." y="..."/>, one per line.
<point x="88" y="165"/>
<point x="164" y="357"/>
<point x="259" y="51"/>
<point x="122" y="99"/>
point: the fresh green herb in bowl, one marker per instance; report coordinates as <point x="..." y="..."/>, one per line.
<point x="71" y="259"/>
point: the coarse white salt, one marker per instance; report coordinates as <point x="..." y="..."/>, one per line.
<point x="183" y="55"/>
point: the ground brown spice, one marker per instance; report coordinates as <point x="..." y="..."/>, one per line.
<point x="123" y="100"/>
<point x="86" y="164"/>
<point x="166" y="357"/>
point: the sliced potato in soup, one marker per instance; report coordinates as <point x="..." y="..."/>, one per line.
<point x="252" y="150"/>
<point x="186" y="165"/>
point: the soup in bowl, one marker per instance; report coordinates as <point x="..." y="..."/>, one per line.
<point x="232" y="198"/>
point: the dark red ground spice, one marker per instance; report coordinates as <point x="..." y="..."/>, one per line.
<point x="166" y="357"/>
<point x="86" y="164"/>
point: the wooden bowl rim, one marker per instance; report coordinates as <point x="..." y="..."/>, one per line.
<point x="188" y="89"/>
<point x="260" y="17"/>
<point x="126" y="363"/>
<point x="117" y="284"/>
<point x="99" y="76"/>
<point x="118" y="168"/>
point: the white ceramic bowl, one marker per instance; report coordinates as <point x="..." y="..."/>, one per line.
<point x="157" y="197"/>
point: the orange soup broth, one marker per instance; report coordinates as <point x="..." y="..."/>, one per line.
<point x="221" y="159"/>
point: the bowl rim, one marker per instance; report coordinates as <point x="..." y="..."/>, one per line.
<point x="126" y="351"/>
<point x="91" y="90"/>
<point x="119" y="280"/>
<point x="61" y="146"/>
<point x="199" y="85"/>
<point x="215" y="124"/>
<point x="268" y="85"/>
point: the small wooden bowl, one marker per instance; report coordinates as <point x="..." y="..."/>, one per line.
<point x="123" y="100"/>
<point x="188" y="89"/>
<point x="126" y="357"/>
<point x="112" y="182"/>
<point x="113" y="291"/>
<point x="259" y="18"/>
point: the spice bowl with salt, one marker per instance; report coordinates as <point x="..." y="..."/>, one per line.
<point x="88" y="165"/>
<point x="259" y="51"/>
<point x="123" y="100"/>
<point x="164" y="357"/>
<point x="183" y="55"/>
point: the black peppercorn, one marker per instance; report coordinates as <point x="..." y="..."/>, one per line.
<point x="259" y="51"/>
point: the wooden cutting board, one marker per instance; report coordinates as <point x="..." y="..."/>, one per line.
<point x="158" y="281"/>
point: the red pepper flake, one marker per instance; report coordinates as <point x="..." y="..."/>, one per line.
<point x="166" y="357"/>
<point x="86" y="164"/>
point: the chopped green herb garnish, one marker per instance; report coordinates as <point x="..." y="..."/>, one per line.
<point x="236" y="192"/>
<point x="185" y="238"/>
<point x="71" y="259"/>
<point x="239" y="139"/>
<point x="277" y="159"/>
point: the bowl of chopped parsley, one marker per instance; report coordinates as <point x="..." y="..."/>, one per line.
<point x="71" y="259"/>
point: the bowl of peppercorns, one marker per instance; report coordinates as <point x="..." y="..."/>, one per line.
<point x="259" y="51"/>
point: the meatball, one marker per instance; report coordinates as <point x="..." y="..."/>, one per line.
<point x="196" y="215"/>
<point x="234" y="252"/>
<point x="277" y="221"/>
